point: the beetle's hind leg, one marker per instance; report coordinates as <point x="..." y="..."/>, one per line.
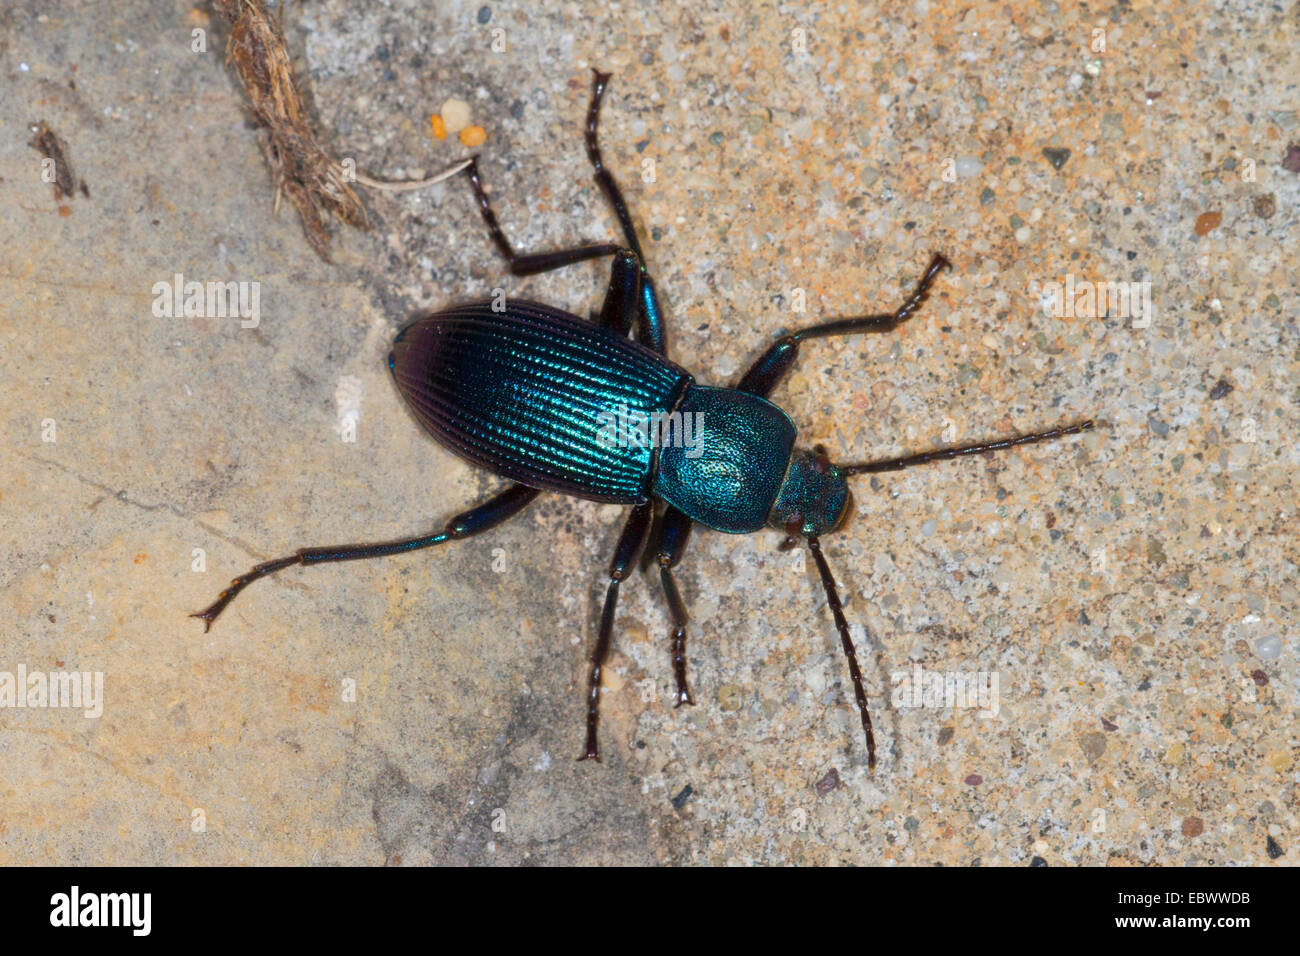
<point x="487" y="515"/>
<point x="630" y="543"/>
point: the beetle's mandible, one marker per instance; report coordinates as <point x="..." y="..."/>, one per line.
<point x="527" y="391"/>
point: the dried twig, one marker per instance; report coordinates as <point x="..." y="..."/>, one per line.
<point x="300" y="167"/>
<point x="408" y="185"/>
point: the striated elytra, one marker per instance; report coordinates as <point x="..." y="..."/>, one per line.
<point x="596" y="410"/>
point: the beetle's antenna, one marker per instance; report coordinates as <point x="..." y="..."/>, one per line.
<point x="842" y="625"/>
<point x="898" y="464"/>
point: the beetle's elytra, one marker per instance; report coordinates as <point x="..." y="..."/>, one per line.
<point x="525" y="391"/>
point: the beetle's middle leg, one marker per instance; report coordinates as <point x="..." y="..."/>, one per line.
<point x="674" y="531"/>
<point x="651" y="331"/>
<point x="764" y="375"/>
<point x="630" y="543"/>
<point x="527" y="264"/>
<point x="623" y="298"/>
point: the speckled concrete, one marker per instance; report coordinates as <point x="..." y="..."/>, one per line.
<point x="1133" y="591"/>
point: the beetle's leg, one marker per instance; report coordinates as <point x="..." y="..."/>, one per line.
<point x="674" y="531"/>
<point x="764" y="375"/>
<point x="842" y="625"/>
<point x="630" y="543"/>
<point x="650" y="332"/>
<point x="487" y="515"/>
<point x="530" y="264"/>
<point x="898" y="464"/>
<point x="623" y="299"/>
<point x="607" y="184"/>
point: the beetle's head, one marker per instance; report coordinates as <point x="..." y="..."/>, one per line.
<point x="814" y="497"/>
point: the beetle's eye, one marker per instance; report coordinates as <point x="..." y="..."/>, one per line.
<point x="794" y="524"/>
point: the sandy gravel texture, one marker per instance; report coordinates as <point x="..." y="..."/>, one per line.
<point x="1132" y="592"/>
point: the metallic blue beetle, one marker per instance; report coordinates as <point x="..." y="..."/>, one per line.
<point x="529" y="392"/>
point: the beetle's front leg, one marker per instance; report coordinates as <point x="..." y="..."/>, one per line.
<point x="764" y="375"/>
<point x="630" y="543"/>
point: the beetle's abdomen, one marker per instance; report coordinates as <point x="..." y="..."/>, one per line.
<point x="528" y="393"/>
<point x="728" y="469"/>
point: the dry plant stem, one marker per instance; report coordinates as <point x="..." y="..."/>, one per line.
<point x="301" y="169"/>
<point x="409" y="185"/>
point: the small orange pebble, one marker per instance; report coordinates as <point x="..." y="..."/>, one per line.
<point x="439" y="127"/>
<point x="1207" y="222"/>
<point x="473" y="136"/>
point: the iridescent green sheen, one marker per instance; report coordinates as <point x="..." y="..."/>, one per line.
<point x="526" y="392"/>
<point x="743" y="454"/>
<point x="814" y="498"/>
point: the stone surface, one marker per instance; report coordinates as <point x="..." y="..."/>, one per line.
<point x="1117" y="585"/>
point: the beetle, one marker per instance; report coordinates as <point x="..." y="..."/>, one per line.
<point x="526" y="390"/>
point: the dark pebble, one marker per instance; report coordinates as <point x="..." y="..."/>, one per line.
<point x="1291" y="162"/>
<point x="1274" y="851"/>
<point x="1038" y="861"/>
<point x="1057" y="157"/>
<point x="1222" y="388"/>
<point x="829" y="782"/>
<point x="484" y="14"/>
<point x="679" y="801"/>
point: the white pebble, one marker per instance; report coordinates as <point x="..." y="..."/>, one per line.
<point x="455" y="115"/>
<point x="1269" y="648"/>
<point x="968" y="166"/>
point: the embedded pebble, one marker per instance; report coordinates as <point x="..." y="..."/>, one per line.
<point x="455" y="115"/>
<point x="1269" y="648"/>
